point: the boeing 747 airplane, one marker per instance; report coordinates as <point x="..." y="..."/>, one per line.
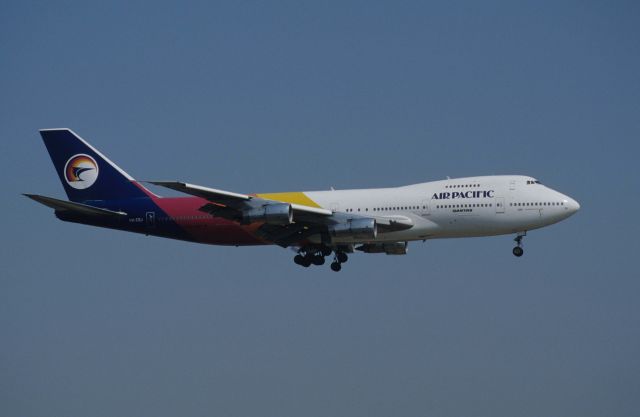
<point x="316" y="224"/>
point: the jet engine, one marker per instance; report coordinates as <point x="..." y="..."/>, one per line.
<point x="271" y="213"/>
<point x="393" y="248"/>
<point x="355" y="229"/>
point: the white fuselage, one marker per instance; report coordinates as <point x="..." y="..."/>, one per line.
<point x="461" y="207"/>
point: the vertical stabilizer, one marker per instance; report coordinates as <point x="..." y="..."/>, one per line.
<point x="85" y="173"/>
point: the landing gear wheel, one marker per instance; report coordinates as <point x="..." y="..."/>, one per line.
<point x="335" y="266"/>
<point x="518" y="251"/>
<point x="302" y="260"/>
<point x="317" y="260"/>
<point x="341" y="257"/>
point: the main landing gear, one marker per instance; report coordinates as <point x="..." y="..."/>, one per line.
<point x="307" y="258"/>
<point x="518" y="251"/>
<point x="338" y="260"/>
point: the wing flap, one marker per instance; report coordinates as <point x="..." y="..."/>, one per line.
<point x="222" y="211"/>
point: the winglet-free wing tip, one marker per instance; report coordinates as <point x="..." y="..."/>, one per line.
<point x="54" y="128"/>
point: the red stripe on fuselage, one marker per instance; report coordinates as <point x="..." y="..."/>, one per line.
<point x="204" y="228"/>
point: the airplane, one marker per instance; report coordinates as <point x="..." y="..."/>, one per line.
<point x="315" y="224"/>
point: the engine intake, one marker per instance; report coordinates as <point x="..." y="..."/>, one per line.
<point x="272" y="214"/>
<point x="394" y="248"/>
<point x="356" y="229"/>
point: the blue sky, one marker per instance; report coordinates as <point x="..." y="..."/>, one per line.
<point x="282" y="96"/>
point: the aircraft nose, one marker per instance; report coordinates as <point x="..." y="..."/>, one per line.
<point x="572" y="205"/>
<point x="575" y="204"/>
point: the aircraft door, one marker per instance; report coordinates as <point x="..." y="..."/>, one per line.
<point x="499" y="204"/>
<point x="150" y="217"/>
<point x="424" y="208"/>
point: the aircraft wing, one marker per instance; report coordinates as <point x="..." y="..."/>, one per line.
<point x="304" y="221"/>
<point x="231" y="205"/>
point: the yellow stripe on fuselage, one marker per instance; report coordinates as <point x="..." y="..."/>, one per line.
<point x="293" y="198"/>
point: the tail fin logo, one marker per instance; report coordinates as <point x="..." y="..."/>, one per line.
<point x="81" y="171"/>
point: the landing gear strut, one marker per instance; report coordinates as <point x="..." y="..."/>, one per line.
<point x="518" y="251"/>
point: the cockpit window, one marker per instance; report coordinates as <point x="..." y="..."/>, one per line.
<point x="533" y="182"/>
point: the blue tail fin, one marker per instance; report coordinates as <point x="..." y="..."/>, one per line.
<point x="85" y="173"/>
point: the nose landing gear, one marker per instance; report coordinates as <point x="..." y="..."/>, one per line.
<point x="518" y="251"/>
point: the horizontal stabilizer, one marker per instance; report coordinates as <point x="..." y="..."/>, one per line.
<point x="62" y="205"/>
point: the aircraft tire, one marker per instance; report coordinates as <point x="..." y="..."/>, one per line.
<point x="518" y="251"/>
<point x="335" y="266"/>
<point x="342" y="257"/>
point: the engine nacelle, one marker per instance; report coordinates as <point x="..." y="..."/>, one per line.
<point x="271" y="214"/>
<point x="364" y="229"/>
<point x="394" y="248"/>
